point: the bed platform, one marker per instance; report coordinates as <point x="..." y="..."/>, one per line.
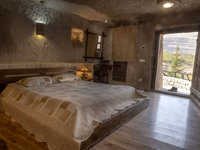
<point x="102" y="130"/>
<point x="113" y="123"/>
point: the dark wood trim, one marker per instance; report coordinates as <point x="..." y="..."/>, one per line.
<point x="94" y="57"/>
<point x="192" y="28"/>
<point x="13" y="75"/>
<point x="95" y="33"/>
<point x="115" y="122"/>
<point x="102" y="45"/>
<point x="86" y="45"/>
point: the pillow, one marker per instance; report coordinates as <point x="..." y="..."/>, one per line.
<point x="66" y="77"/>
<point x="37" y="81"/>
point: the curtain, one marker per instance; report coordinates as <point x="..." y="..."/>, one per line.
<point x="159" y="72"/>
<point x="124" y="41"/>
<point x="196" y="70"/>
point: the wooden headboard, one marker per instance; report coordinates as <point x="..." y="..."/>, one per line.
<point x="13" y="75"/>
<point x="14" y="72"/>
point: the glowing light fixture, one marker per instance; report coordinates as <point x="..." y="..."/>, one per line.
<point x="167" y="3"/>
<point x="106" y="21"/>
<point x="84" y="74"/>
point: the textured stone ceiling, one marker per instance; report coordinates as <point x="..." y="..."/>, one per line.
<point x="119" y="10"/>
<point x="83" y="11"/>
<point x="100" y="10"/>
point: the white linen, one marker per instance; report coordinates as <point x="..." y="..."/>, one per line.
<point x="66" y="77"/>
<point x="65" y="114"/>
<point x="37" y="81"/>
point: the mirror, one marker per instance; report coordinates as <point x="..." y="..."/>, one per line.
<point x="94" y="45"/>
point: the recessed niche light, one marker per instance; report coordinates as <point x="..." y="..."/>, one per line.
<point x="168" y="5"/>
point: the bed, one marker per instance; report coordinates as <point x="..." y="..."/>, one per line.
<point x="70" y="115"/>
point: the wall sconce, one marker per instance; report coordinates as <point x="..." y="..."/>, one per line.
<point x="40" y="29"/>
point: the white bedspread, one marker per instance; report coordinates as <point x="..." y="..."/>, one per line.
<point x="65" y="114"/>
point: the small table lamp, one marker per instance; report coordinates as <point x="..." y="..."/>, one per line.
<point x="84" y="71"/>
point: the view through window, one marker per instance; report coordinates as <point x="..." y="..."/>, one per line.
<point x="178" y="56"/>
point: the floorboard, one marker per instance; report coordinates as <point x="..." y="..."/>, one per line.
<point x="170" y="122"/>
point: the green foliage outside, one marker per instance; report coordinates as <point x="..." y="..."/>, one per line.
<point x="177" y="61"/>
<point x="189" y="58"/>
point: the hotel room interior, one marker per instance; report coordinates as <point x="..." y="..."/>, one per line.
<point x="89" y="74"/>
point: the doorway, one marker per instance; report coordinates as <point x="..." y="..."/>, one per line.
<point x="175" y="62"/>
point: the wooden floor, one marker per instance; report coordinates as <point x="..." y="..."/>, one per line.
<point x="16" y="138"/>
<point x="170" y="123"/>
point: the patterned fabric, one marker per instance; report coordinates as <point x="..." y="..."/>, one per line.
<point x="65" y="114"/>
<point x="66" y="77"/>
<point x="37" y="81"/>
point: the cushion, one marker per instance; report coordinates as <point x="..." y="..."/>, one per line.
<point x="37" y="81"/>
<point x="66" y="77"/>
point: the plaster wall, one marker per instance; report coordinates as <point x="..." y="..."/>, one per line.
<point x="187" y="19"/>
<point x="145" y="47"/>
<point x="138" y="70"/>
<point x="19" y="43"/>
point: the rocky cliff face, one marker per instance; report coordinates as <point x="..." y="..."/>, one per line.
<point x="185" y="41"/>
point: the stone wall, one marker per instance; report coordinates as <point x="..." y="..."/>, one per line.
<point x="139" y="74"/>
<point x="138" y="70"/>
<point x="176" y="82"/>
<point x="19" y="43"/>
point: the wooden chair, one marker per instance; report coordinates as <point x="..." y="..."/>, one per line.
<point x="96" y="72"/>
<point x="102" y="71"/>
